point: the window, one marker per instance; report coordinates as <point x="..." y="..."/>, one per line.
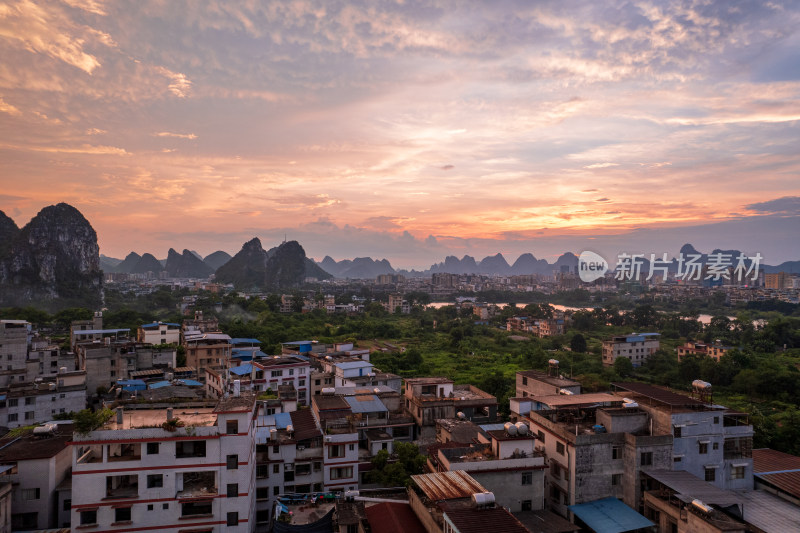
<point x="155" y="481"/>
<point x="196" y="508"/>
<point x="715" y="446"/>
<point x="13" y="417"/>
<point x="646" y="459"/>
<point x="342" y="472"/>
<point x="233" y="490"/>
<point x="616" y="479"/>
<point x="276" y="468"/>
<point x="232" y="427"/>
<point x="737" y="472"/>
<point x="262" y="493"/>
<point x="703" y="447"/>
<point x="676" y="432"/>
<point x="67" y="505"/>
<point x="276" y="373"/>
<point x="560" y="448"/>
<point x="276" y="490"/>
<point x="616" y="452"/>
<point x="301" y="383"/>
<point x="291" y="371"/>
<point x="150" y="507"/>
<point x="190" y="448"/>
<point x="30" y="400"/>
<point x="88" y="518"/>
<point x="30" y="494"/>
<point x="276" y="449"/>
<point x="152" y="448"/>
<point x="122" y="514"/>
<point x="165" y="506"/>
<point x="29" y="415"/>
<point x="677" y="459"/>
<point x="711" y="474"/>
<point x="524" y="380"/>
<point x="233" y="519"/>
<point x="335" y="451"/>
<point x="262" y="516"/>
<point x="13" y="402"/>
<point x="232" y="462"/>
<point x="527" y="478"/>
<point x="351" y="447"/>
<point x="716" y="420"/>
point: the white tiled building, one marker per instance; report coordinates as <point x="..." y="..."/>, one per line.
<point x="134" y="474"/>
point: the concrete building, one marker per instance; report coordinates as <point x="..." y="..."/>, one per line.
<point x="778" y="281"/>
<point x="200" y="324"/>
<point x="430" y="399"/>
<point x="711" y="442"/>
<point x="714" y="351"/>
<point x="24" y="404"/>
<point x="108" y="361"/>
<point x="5" y="507"/>
<point x="595" y="449"/>
<point x="505" y="462"/>
<point x="536" y="383"/>
<point x="14" y="336"/>
<point x="637" y="347"/>
<point x="159" y="333"/>
<point x="35" y="463"/>
<point x="141" y="472"/>
<point x="206" y="350"/>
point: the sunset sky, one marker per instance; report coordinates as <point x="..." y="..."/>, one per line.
<point x="407" y="130"/>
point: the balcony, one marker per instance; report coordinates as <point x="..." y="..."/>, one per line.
<point x="196" y="484"/>
<point x="124" y="452"/>
<point x="118" y="487"/>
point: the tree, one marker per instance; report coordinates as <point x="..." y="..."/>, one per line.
<point x="87" y="420"/>
<point x="408" y="462"/>
<point x="578" y="343"/>
<point x="623" y="366"/>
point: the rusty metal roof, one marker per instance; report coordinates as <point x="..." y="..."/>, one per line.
<point x="778" y="469"/>
<point x="658" y="394"/>
<point x="447" y="485"/>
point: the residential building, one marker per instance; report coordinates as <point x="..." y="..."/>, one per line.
<point x="710" y="441"/>
<point x="24" y="404"/>
<point x="159" y="333"/>
<point x="594" y="448"/>
<point x="778" y="473"/>
<point x="14" y="336"/>
<point x="5" y="507"/>
<point x="778" y="281"/>
<point x="106" y="362"/>
<point x="714" y="351"/>
<point x="206" y="349"/>
<point x="502" y="460"/>
<point x="430" y="399"/>
<point x="35" y="463"/>
<point x="637" y="347"/>
<point x="165" y="469"/>
<point x="396" y="301"/>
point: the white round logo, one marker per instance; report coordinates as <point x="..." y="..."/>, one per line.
<point x="591" y="266"/>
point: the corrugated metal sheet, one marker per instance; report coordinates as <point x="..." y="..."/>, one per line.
<point x="366" y="403"/>
<point x="767" y="460"/>
<point x="692" y="487"/>
<point x="447" y="485"/>
<point x="496" y="520"/>
<point x="659" y="395"/>
<point x="609" y="515"/>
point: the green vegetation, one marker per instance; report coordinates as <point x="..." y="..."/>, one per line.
<point x="87" y="420"/>
<point x="396" y="470"/>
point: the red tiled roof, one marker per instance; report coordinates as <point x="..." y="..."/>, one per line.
<point x="393" y="518"/>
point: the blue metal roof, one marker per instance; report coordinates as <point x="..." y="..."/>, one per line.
<point x="245" y="341"/>
<point x="242" y="370"/>
<point x="159" y="384"/>
<point x="366" y="403"/>
<point x="296" y="343"/>
<point x="609" y="515"/>
<point x="282" y="420"/>
<point x="130" y="382"/>
<point x="191" y="383"/>
<point x="353" y="364"/>
<point x="152" y="324"/>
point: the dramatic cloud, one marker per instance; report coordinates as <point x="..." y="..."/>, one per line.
<point x="407" y="129"/>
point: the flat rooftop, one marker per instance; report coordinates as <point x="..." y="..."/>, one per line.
<point x="555" y="381"/>
<point x="567" y="400"/>
<point x="145" y="418"/>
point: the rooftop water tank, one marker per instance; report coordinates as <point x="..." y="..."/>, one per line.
<point x="483" y="499"/>
<point x="522" y="428"/>
<point x="510" y="428"/>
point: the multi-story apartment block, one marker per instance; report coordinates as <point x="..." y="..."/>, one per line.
<point x="505" y="462"/>
<point x="638" y="347"/>
<point x="778" y="281"/>
<point x="709" y="441"/>
<point x="14" y="344"/>
<point x="159" y="333"/>
<point x="24" y="404"/>
<point x="35" y="462"/>
<point x="429" y="399"/>
<point x="206" y="350"/>
<point x="46" y="359"/>
<point x="143" y="471"/>
<point x="106" y="362"/>
<point x="200" y="324"/>
<point x="714" y="351"/>
<point x="595" y="449"/>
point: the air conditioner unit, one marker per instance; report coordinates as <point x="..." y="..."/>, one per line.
<point x="301" y="448"/>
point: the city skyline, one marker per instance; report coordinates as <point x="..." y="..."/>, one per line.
<point x="407" y="130"/>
